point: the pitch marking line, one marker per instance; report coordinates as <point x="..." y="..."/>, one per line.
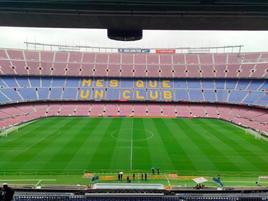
<point x="262" y="182"/>
<point x="18" y="180"/>
<point x="131" y="147"/>
<point x="128" y="130"/>
<point x="39" y="182"/>
<point x="169" y="184"/>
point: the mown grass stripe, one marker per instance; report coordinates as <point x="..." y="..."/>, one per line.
<point x="179" y="157"/>
<point x="141" y="155"/>
<point x="192" y="146"/>
<point x="240" y="148"/>
<point x="253" y="144"/>
<point x="158" y="153"/>
<point x="17" y="162"/>
<point x="209" y="145"/>
<point x="62" y="150"/>
<point x="29" y="134"/>
<point x="102" y="156"/>
<point x="81" y="156"/>
<point x="27" y="138"/>
<point x="122" y="143"/>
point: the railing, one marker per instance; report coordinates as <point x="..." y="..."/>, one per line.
<point x="83" y="48"/>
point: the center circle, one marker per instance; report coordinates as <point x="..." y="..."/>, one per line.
<point x="126" y="135"/>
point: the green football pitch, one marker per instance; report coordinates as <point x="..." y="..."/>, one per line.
<point x="74" y="145"/>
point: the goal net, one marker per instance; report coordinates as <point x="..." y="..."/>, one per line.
<point x="5" y="132"/>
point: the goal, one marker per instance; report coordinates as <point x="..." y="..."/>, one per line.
<point x="5" y="132"/>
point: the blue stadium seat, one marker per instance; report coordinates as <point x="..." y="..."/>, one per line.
<point x="23" y="89"/>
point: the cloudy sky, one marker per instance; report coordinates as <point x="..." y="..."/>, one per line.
<point x="252" y="40"/>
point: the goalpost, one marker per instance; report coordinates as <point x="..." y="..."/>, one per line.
<point x="14" y="128"/>
<point x="5" y="132"/>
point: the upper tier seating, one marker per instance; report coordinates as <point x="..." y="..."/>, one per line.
<point x="179" y="65"/>
<point x="254" y="118"/>
<point x="25" y="89"/>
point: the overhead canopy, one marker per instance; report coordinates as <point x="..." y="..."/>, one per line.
<point x="137" y="14"/>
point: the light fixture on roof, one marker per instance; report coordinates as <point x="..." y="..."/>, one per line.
<point x="124" y="35"/>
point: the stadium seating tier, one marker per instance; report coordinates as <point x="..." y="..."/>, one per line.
<point x="178" y="65"/>
<point x="234" y="91"/>
<point x="254" y="118"/>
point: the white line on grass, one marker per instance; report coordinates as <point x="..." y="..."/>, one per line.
<point x="169" y="184"/>
<point x="131" y="146"/>
<point x="39" y="182"/>
<point x="253" y="182"/>
<point x="3" y="180"/>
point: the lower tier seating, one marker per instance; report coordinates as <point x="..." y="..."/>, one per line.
<point x="254" y="118"/>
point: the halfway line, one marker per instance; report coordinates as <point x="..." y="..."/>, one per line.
<point x="131" y="146"/>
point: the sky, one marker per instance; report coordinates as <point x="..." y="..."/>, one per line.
<point x="14" y="37"/>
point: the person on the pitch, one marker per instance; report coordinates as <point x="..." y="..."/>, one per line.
<point x="121" y="176"/>
<point x="145" y="176"/>
<point x="128" y="180"/>
<point x="118" y="177"/>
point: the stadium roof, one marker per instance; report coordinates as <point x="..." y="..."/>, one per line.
<point x="137" y="14"/>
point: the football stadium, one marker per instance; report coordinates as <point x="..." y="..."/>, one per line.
<point x="67" y="115"/>
<point x="133" y="123"/>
